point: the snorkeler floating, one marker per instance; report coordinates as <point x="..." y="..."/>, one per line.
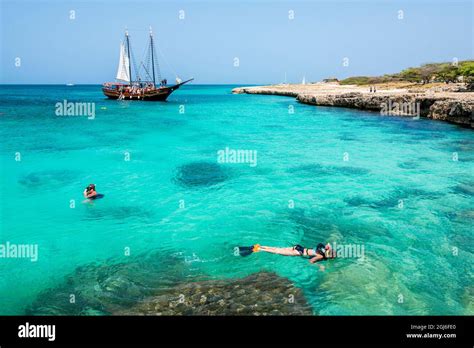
<point x="90" y="193"/>
<point x="320" y="253"/>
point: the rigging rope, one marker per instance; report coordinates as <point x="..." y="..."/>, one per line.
<point x="155" y="62"/>
<point x="166" y="62"/>
<point x="147" y="55"/>
<point x="145" y="67"/>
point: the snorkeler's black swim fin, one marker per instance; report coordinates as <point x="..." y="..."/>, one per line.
<point x="246" y="251"/>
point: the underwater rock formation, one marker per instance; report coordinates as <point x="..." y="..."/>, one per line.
<point x="100" y="289"/>
<point x="258" y="294"/>
<point x="316" y="169"/>
<point x="155" y="284"/>
<point x="200" y="174"/>
<point x="47" y="178"/>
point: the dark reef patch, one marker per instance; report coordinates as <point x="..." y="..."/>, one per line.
<point x="433" y="128"/>
<point x="198" y="174"/>
<point x="119" y="213"/>
<point x="319" y="227"/>
<point x="357" y="201"/>
<point x="154" y="284"/>
<point x="172" y="122"/>
<point x="258" y="294"/>
<point x="348" y="137"/>
<point x="346" y="170"/>
<point x="461" y="216"/>
<point x="320" y="170"/>
<point x="409" y="164"/>
<point x="48" y="177"/>
<point x="463" y="145"/>
<point x="101" y="289"/>
<point x="312" y="168"/>
<point x="391" y="199"/>
<point x="464" y="188"/>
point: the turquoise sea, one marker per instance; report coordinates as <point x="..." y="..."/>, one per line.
<point x="401" y="194"/>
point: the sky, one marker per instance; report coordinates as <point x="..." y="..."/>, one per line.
<point x="270" y="39"/>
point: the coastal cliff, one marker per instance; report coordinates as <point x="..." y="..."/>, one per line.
<point x="449" y="103"/>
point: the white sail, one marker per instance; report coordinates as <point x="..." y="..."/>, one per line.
<point x="304" y="80"/>
<point x="124" y="65"/>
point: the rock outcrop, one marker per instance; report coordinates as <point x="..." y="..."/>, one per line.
<point x="258" y="294"/>
<point x="165" y="285"/>
<point x="450" y="105"/>
<point x="455" y="111"/>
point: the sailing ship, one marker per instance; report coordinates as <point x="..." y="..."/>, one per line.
<point x="138" y="88"/>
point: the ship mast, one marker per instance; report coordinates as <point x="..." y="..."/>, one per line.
<point x="152" y="57"/>
<point x="128" y="52"/>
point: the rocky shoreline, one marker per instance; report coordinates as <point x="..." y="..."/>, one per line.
<point x="445" y="103"/>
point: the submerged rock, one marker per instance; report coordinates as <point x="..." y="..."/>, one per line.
<point x="258" y="294"/>
<point x="320" y="170"/>
<point x="164" y="285"/>
<point x="466" y="214"/>
<point x="47" y="178"/>
<point x="104" y="288"/>
<point x="465" y="188"/>
<point x="200" y="174"/>
<point x="119" y="213"/>
<point x="391" y="199"/>
<point x="411" y="164"/>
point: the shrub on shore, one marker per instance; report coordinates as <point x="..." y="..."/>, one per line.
<point x="431" y="72"/>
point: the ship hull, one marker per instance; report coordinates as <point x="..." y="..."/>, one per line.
<point x="119" y="91"/>
<point x="159" y="94"/>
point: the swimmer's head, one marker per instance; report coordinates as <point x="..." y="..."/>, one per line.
<point x="329" y="252"/>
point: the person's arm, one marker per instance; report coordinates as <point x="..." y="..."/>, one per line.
<point x="91" y="194"/>
<point x="316" y="258"/>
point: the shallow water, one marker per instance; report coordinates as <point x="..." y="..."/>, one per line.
<point x="173" y="161"/>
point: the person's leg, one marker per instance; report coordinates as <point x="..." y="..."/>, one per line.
<point x="281" y="251"/>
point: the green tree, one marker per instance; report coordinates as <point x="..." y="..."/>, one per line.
<point x="449" y="73"/>
<point x="428" y="71"/>
<point x="466" y="70"/>
<point x="411" y="74"/>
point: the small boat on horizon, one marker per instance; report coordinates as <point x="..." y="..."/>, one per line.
<point x="138" y="88"/>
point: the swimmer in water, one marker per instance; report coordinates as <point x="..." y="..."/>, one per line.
<point x="90" y="192"/>
<point x="320" y="253"/>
